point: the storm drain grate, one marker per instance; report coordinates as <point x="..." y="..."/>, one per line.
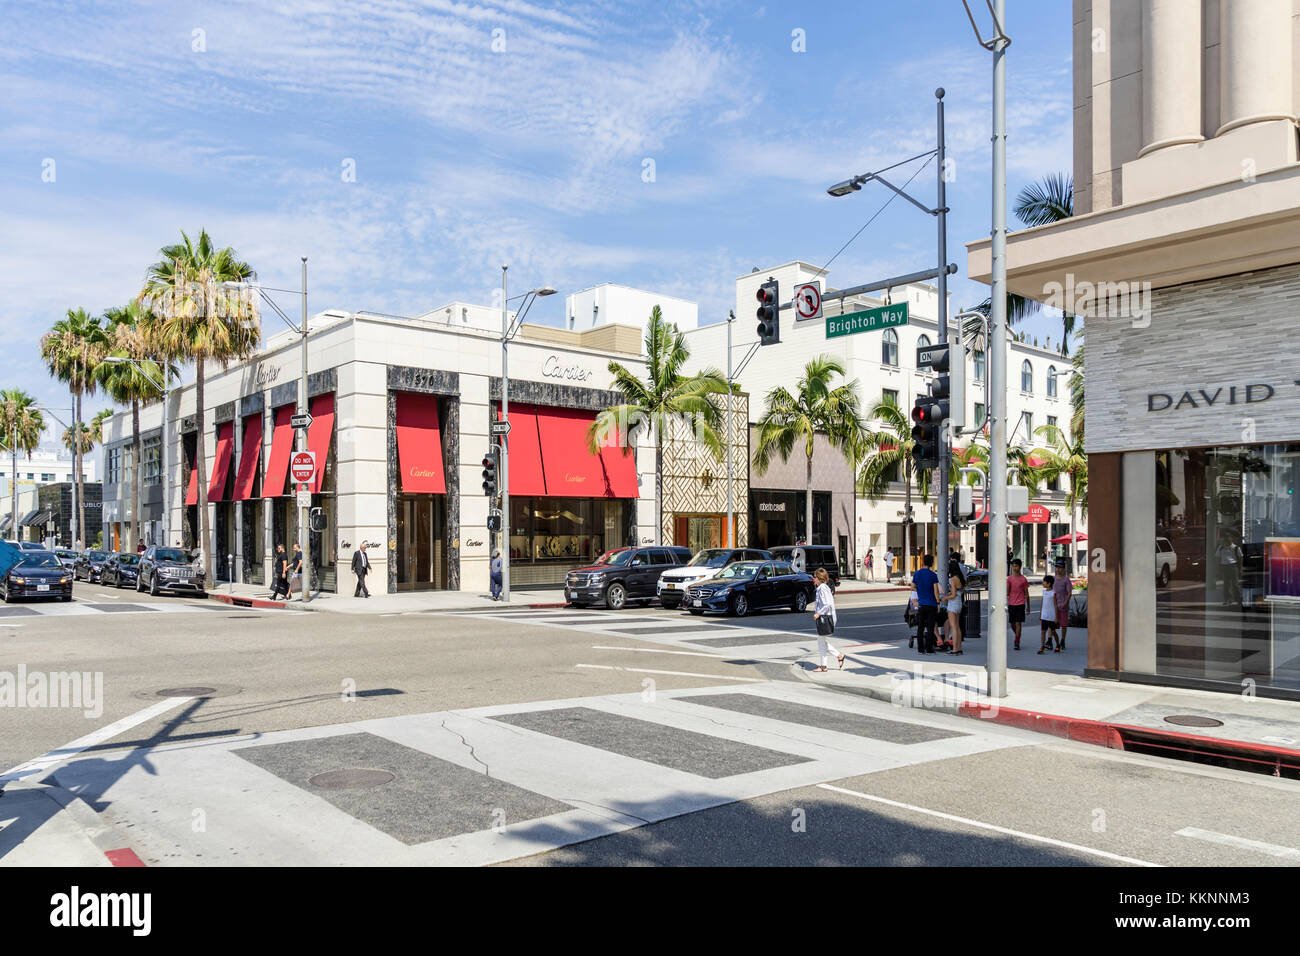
<point x="352" y="779"/>
<point x="1192" y="720"/>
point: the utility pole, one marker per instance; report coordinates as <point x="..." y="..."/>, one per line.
<point x="304" y="509"/>
<point x="957" y="353"/>
<point x="731" y="508"/>
<point x="505" y="443"/>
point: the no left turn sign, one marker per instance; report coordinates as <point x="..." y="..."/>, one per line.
<point x="807" y="302"/>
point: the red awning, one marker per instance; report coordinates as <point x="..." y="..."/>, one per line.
<point x="571" y="471"/>
<point x="1065" y="538"/>
<point x="250" y="453"/>
<point x="620" y="469"/>
<point x="1036" y="462"/>
<point x="419" y="443"/>
<point x="319" y="435"/>
<point x="192" y="492"/>
<point x="1038" y="514"/>
<point x="221" y="462"/>
<point x="525" y="452"/>
<point x="277" y="467"/>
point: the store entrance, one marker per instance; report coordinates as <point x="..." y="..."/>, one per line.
<point x="421" y="549"/>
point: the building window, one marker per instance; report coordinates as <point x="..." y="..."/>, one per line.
<point x="980" y="414"/>
<point x="1026" y="376"/>
<point x="1051" y="381"/>
<point x="889" y="348"/>
<point x="30" y="476"/>
<point x="979" y="365"/>
<point x="151" y="461"/>
<point x="889" y="395"/>
<point x="65" y="477"/>
<point x="46" y="476"/>
<point x="1051" y="421"/>
<point x="922" y="341"/>
<point x="1029" y="425"/>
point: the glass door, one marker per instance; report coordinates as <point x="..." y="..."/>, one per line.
<point x="420" y="561"/>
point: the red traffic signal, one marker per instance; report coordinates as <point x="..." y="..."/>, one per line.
<point x="768" y="312"/>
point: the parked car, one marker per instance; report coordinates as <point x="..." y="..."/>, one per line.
<point x="622" y="575"/>
<point x="1166" y="561"/>
<point x="752" y="586"/>
<point x="38" y="574"/>
<point x="121" y="569"/>
<point x="27" y="545"/>
<point x="67" y="557"/>
<point x="672" y="585"/>
<point x="166" y="569"/>
<point x="815" y="556"/>
<point x="89" y="565"/>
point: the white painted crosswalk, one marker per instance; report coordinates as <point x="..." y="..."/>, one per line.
<point x="80" y="607"/>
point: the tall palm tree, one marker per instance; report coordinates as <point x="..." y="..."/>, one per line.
<point x="1064" y="456"/>
<point x="885" y="453"/>
<point x="797" y="418"/>
<point x="134" y="383"/>
<point x="1038" y="204"/>
<point x="97" y="424"/>
<point x="21" y="426"/>
<point x="191" y="317"/>
<point x="666" y="394"/>
<point x="72" y="350"/>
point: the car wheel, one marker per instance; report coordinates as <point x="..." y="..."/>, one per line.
<point x="139" y="584"/>
<point x="1164" y="576"/>
<point x="800" y="602"/>
<point x="153" y="585"/>
<point x="615" y="597"/>
<point x="739" y="606"/>
<point x="5" y="594"/>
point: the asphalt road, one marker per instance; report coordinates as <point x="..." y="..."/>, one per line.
<point x="586" y="741"/>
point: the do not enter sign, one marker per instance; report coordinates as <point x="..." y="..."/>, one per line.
<point x="302" y="466"/>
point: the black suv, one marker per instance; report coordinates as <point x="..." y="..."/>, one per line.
<point x="167" y="569"/>
<point x="622" y="575"/>
<point x="814" y="556"/>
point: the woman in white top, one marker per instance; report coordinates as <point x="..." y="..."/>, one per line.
<point x="824" y="616"/>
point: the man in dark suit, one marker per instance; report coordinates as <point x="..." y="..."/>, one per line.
<point x="361" y="567"/>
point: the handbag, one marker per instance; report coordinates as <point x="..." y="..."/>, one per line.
<point x="295" y="584"/>
<point x="825" y="626"/>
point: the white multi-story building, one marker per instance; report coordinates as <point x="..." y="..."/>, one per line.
<point x="47" y="464"/>
<point x="608" y="302"/>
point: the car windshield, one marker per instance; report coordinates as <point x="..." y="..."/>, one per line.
<point x="40" y="561"/>
<point x="65" y="553"/>
<point x="127" y="559"/>
<point x="614" y="558"/>
<point x="710" y="558"/>
<point x="97" y="555"/>
<point x="170" y="554"/>
<point x="738" y="571"/>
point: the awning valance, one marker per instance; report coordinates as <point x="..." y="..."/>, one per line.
<point x="221" y="462"/>
<point x="319" y="434"/>
<point x="549" y="456"/>
<point x="419" y="444"/>
<point x="250" y="453"/>
<point x="277" y="468"/>
<point x="35" y="518"/>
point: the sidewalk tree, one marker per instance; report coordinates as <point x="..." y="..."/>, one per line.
<point x="22" y="425"/>
<point x="190" y="316"/>
<point x="72" y="350"/>
<point x="816" y="407"/>
<point x="665" y="395"/>
<point x="1063" y="456"/>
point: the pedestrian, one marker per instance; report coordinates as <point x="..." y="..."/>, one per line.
<point x="870" y="563"/>
<point x="953" y="599"/>
<point x="1047" y="617"/>
<point x="1017" y="599"/>
<point x="279" y="573"/>
<point x="296" y="580"/>
<point x="1229" y="558"/>
<point x="361" y="567"/>
<point x="911" y="616"/>
<point x="889" y="564"/>
<point x="1062" y="588"/>
<point x="824" y="617"/>
<point x="139" y="546"/>
<point x="495" y="571"/>
<point x="927" y="604"/>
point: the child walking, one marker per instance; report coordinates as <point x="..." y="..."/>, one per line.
<point x="1047" y="617"/>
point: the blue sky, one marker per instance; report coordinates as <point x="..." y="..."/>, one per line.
<point x="472" y="147"/>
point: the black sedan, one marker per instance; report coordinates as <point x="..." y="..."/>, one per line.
<point x="90" y="565"/>
<point x="120" y="570"/>
<point x="39" y="575"/>
<point x="751" y="586"/>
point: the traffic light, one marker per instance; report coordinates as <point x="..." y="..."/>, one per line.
<point x="494" y="521"/>
<point x="949" y="385"/>
<point x="963" y="505"/>
<point x="490" y="470"/>
<point x="769" y="313"/>
<point x="925" y="434"/>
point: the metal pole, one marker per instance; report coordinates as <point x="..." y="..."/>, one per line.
<point x="731" y="515"/>
<point x="166" y="473"/>
<point x="957" y="353"/>
<point x="76" y="460"/>
<point x="996" y="665"/>
<point x="303" y="510"/>
<point x="505" y="444"/>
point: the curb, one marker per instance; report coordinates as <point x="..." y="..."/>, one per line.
<point x="104" y="836"/>
<point x="241" y="601"/>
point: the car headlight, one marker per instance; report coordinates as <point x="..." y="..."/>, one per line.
<point x="721" y="592"/>
<point x="595" y="578"/>
<point x="65" y="579"/>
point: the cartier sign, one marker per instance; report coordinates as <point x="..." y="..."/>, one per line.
<point x="1207" y="397"/>
<point x="554" y="368"/>
<point x="265" y="376"/>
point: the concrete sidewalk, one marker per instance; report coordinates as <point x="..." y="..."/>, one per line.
<point x="1047" y="695"/>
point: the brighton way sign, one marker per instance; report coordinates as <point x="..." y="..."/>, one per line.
<point x="868" y="320"/>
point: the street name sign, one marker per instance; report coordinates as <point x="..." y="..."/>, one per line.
<point x="301" y="421"/>
<point x="499" y="428"/>
<point x="868" y="320"/>
<point x="302" y="466"/>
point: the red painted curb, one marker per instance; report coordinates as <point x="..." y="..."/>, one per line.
<point x="246" y="601"/>
<point x="125" y="857"/>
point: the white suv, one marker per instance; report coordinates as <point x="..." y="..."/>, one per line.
<point x="1166" y="561"/>
<point x="673" y="584"/>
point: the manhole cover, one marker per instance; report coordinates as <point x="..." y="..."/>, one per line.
<point x="185" y="692"/>
<point x="1191" y="720"/>
<point x="351" y="779"/>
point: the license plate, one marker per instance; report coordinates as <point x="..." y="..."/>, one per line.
<point x="698" y="602"/>
<point x="571" y="594"/>
<point x="669" y="586"/>
<point x="42" y="587"/>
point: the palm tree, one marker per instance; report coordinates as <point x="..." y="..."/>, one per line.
<point x="797" y="418"/>
<point x="884" y="454"/>
<point x="1065" y="456"/>
<point x="22" y="425"/>
<point x="666" y="394"/>
<point x="72" y="349"/>
<point x="97" y="425"/>
<point x="189" y="317"/>
<point x="1037" y="205"/>
<point x="133" y="383"/>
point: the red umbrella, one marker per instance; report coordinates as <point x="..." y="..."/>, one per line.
<point x="1065" y="538"/>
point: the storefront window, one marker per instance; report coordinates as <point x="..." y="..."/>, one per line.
<point x="556" y="529"/>
<point x="1227" y="545"/>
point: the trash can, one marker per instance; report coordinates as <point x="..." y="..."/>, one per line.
<point x="971" y="614"/>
